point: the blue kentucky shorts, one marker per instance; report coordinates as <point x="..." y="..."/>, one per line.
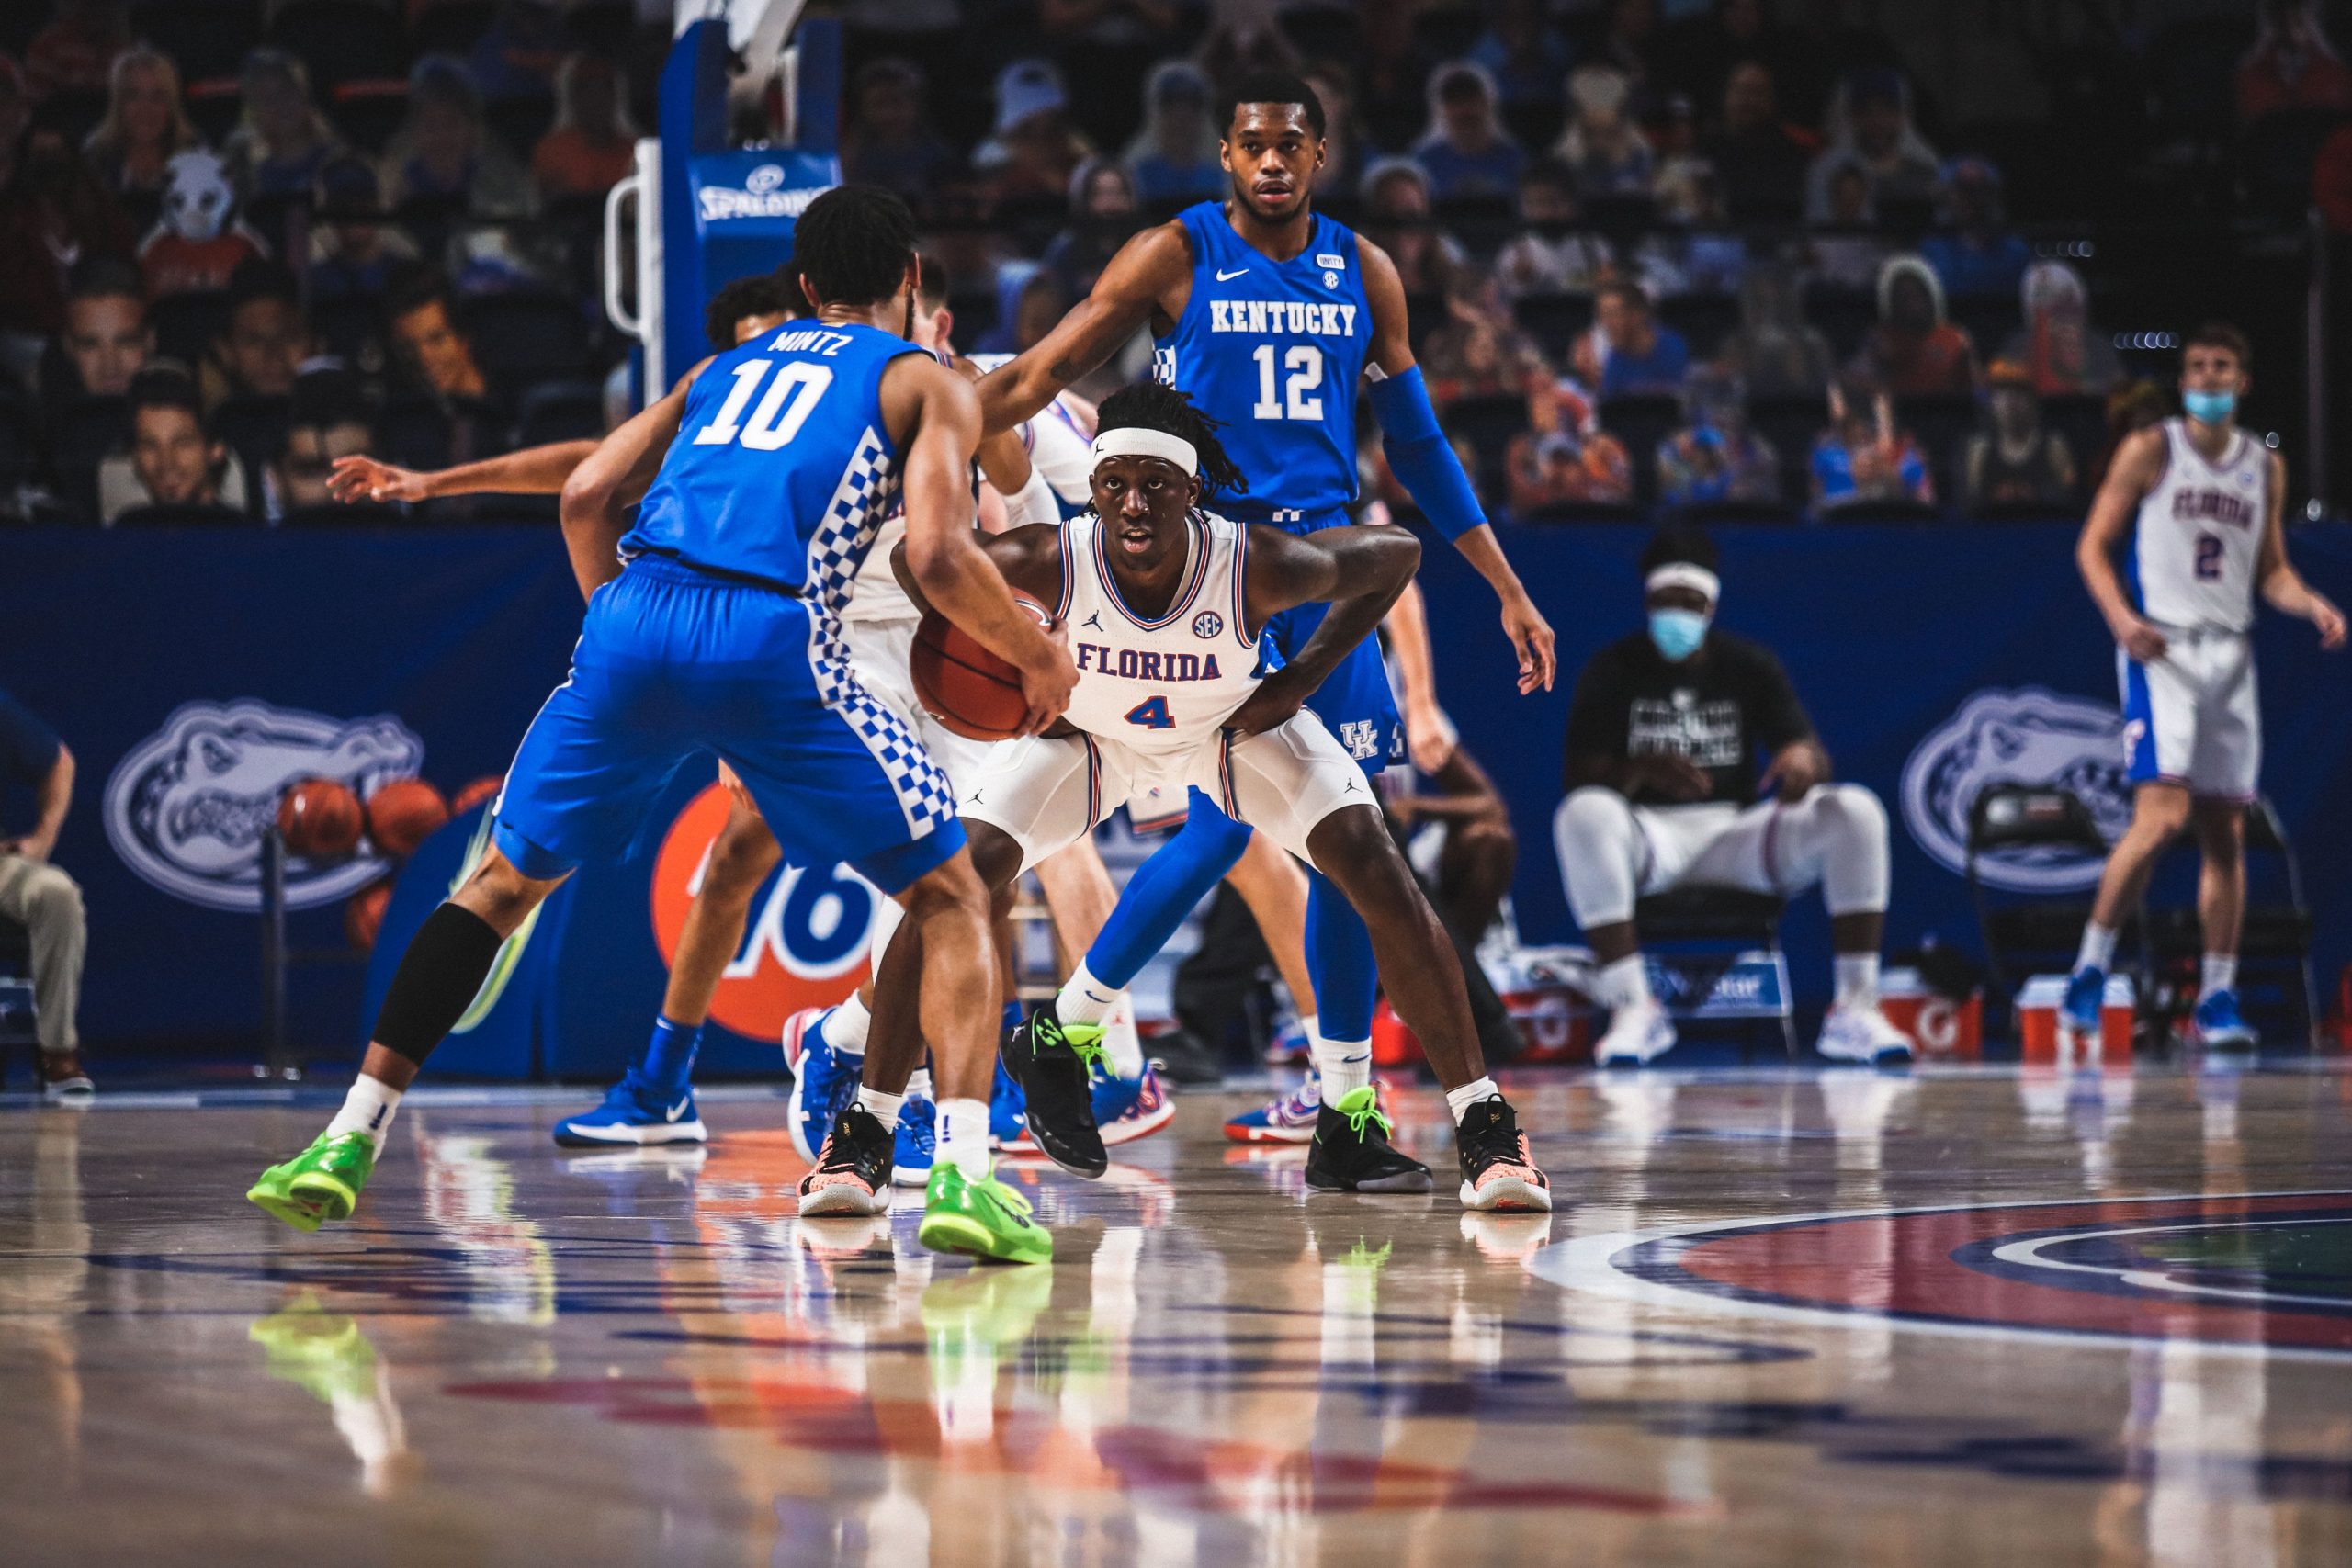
<point x="1356" y="703"/>
<point x="674" y="663"/>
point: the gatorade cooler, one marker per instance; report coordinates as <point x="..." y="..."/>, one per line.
<point x="2038" y="1006"/>
<point x="1555" y="1020"/>
<point x="1941" y="1029"/>
<point x="1393" y="1044"/>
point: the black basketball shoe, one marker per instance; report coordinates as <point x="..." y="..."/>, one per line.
<point x="1053" y="1062"/>
<point x="852" y="1170"/>
<point x="1352" y="1152"/>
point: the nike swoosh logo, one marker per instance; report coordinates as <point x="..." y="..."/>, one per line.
<point x="1229" y="276"/>
<point x="680" y="1109"/>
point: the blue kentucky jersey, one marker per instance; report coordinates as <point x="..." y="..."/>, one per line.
<point x="1275" y="350"/>
<point x="782" y="470"/>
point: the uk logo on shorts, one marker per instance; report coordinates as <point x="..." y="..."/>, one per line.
<point x="805" y="942"/>
<point x="1207" y="623"/>
<point x="2025" y="736"/>
<point x="186" y="809"/>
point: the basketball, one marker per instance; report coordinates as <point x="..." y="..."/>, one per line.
<point x="363" y="915"/>
<point x="403" y="813"/>
<point x="320" y="818"/>
<point x="483" y="789"/>
<point x="965" y="686"/>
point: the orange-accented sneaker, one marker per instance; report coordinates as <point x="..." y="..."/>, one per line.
<point x="1497" y="1172"/>
<point x="853" y="1172"/>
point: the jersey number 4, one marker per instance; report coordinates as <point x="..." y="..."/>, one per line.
<point x="1152" y="714"/>
<point x="791" y="398"/>
<point x="1305" y="363"/>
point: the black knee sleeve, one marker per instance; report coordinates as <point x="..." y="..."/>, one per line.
<point x="439" y="977"/>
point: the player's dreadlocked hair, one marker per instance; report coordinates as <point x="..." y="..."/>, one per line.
<point x="852" y="244"/>
<point x="1149" y="405"/>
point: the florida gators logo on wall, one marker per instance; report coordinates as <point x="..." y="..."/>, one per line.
<point x="804" y="946"/>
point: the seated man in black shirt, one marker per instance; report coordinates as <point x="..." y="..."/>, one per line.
<point x="1663" y="738"/>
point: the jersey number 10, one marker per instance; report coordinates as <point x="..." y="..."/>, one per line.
<point x="1305" y="363"/>
<point x="791" y="399"/>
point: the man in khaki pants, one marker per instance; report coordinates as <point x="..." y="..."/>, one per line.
<point x="41" y="898"/>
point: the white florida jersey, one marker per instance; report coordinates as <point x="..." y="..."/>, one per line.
<point x="2199" y="536"/>
<point x="1160" y="687"/>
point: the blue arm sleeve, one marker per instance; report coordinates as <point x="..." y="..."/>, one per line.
<point x="1421" y="456"/>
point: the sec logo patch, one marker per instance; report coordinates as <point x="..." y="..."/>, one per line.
<point x="805" y="945"/>
<point x="1207" y="623"/>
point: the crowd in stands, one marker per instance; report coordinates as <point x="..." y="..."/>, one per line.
<point x="1709" y="254"/>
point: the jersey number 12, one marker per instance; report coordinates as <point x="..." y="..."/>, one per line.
<point x="1305" y="363"/>
<point x="791" y="398"/>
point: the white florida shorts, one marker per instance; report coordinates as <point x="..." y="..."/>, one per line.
<point x="2193" y="717"/>
<point x="878" y="653"/>
<point x="1047" y="792"/>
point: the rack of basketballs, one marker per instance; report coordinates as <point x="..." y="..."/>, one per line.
<point x="324" y="820"/>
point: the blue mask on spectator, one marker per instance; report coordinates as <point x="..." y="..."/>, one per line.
<point x="1678" y="633"/>
<point x="2212" y="408"/>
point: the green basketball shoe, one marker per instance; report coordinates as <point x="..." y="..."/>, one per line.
<point x="983" y="1219"/>
<point x="323" y="1182"/>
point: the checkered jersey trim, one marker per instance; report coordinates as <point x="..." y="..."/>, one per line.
<point x="1163" y="367"/>
<point x="866" y="496"/>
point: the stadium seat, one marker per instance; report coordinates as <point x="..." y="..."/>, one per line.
<point x="187" y="323"/>
<point x="160" y="516"/>
<point x="369" y="112"/>
<point x="77" y="111"/>
<point x="1843" y="315"/>
<point x="1642" y="419"/>
<point x="414" y="433"/>
<point x="1487" y="423"/>
<point x="339" y="514"/>
<point x="2275" y="157"/>
<point x="561" y="410"/>
<point x="1694" y="933"/>
<point x="1891" y="509"/>
<point x="216" y="106"/>
<point x="1535" y="126"/>
<point x="1583" y="511"/>
<point x="520" y="122"/>
<point x="1941" y="423"/>
<point x="2189" y="65"/>
<point x="1989" y="320"/>
<point x="207" y="40"/>
<point x="1321" y="32"/>
<point x="1706" y="513"/>
<point x="603" y="28"/>
<point x="525" y="338"/>
<point x="254" y="428"/>
<point x="351" y="327"/>
<point x="1703" y="320"/>
<point x="20" y="444"/>
<point x="340" y="43"/>
<point x="16" y="1016"/>
<point x="1553" y="321"/>
<point x="2025" y="935"/>
<point x="450" y="27"/>
<point x="81" y="434"/>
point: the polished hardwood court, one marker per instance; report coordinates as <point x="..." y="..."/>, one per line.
<point x="1997" y="1317"/>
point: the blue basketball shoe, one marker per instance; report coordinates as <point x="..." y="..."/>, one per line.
<point x="2218" y="1026"/>
<point x="636" y="1110"/>
<point x="916" y="1142"/>
<point x="2086" y="993"/>
<point x="1009" y="1115"/>
<point x="1129" y="1109"/>
<point x="824" y="1080"/>
<point x="1290" y="1120"/>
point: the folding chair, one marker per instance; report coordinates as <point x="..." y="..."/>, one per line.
<point x="1721" y="958"/>
<point x="2022" y="935"/>
<point x="2274" y="941"/>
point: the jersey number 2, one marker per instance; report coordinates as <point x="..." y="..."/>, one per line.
<point x="1152" y="714"/>
<point x="1305" y="363"/>
<point x="2209" y="555"/>
<point x="791" y="398"/>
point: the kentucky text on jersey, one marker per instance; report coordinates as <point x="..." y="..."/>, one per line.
<point x="2214" y="506"/>
<point x="1295" y="318"/>
<point x="1146" y="663"/>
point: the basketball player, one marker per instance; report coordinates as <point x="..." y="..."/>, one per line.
<point x="1163" y="604"/>
<point x="1266" y="310"/>
<point x="2199" y="501"/>
<point x="714" y="624"/>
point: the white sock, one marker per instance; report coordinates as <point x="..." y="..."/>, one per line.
<point x="846" y="1030"/>
<point x="2097" y="951"/>
<point x="918" y="1085"/>
<point x="1462" y="1099"/>
<point x="2221" y="973"/>
<point x="1121" y="1041"/>
<point x="367" y="1109"/>
<point x="1624" y="984"/>
<point x="1085" y="999"/>
<point x="1344" y="1066"/>
<point x="885" y="1106"/>
<point x="963" y="1137"/>
<point x="1857" y="979"/>
<point x="1311" y="1025"/>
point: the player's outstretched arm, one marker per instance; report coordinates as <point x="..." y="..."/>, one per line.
<point x="611" y="475"/>
<point x="943" y="557"/>
<point x="2283" y="586"/>
<point x="2138" y="465"/>
<point x="1423" y="460"/>
<point x="1149" y="269"/>
<point x="1360" y="571"/>
<point x="534" y="471"/>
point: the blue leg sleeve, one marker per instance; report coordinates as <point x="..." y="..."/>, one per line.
<point x="1338" y="958"/>
<point x="1163" y="891"/>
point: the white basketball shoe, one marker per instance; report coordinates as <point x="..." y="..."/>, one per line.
<point x="1638" y="1033"/>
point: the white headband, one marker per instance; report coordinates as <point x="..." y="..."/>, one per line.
<point x="1134" y="441"/>
<point x="1684" y="574"/>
